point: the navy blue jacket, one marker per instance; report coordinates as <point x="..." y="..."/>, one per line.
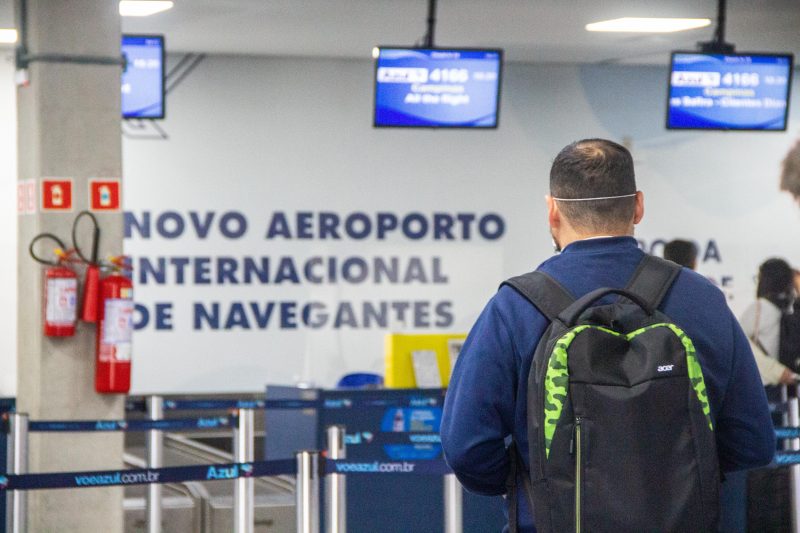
<point x="486" y="400"/>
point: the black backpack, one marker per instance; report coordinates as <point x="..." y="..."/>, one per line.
<point x="619" y="426"/>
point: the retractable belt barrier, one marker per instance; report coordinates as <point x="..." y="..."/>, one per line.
<point x="787" y="433"/>
<point x="197" y="405"/>
<point x="212" y="472"/>
<point x="308" y="467"/>
<point x="786" y="458"/>
<point x="223" y="405"/>
<point x="175" y="424"/>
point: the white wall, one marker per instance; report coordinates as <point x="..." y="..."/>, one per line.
<point x="257" y="135"/>
<point x="8" y="227"/>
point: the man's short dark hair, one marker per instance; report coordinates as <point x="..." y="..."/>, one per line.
<point x="682" y="252"/>
<point x="595" y="168"/>
<point x="790" y="174"/>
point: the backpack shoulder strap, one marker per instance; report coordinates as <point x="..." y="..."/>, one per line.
<point x="652" y="279"/>
<point x="516" y="469"/>
<point x="545" y="293"/>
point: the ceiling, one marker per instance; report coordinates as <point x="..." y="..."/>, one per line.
<point x="529" y="30"/>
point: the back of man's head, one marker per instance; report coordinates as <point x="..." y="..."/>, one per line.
<point x="790" y="175"/>
<point x="589" y="169"/>
<point x="682" y="252"/>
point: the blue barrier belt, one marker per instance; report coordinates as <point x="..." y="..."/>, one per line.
<point x="786" y="458"/>
<point x="172" y="474"/>
<point x="435" y="467"/>
<point x="787" y="433"/>
<point x="389" y="438"/>
<point x="185" y="424"/>
<point x="212" y="472"/>
<point x="328" y="403"/>
<point x="176" y="405"/>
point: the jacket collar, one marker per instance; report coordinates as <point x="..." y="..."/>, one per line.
<point x="602" y="244"/>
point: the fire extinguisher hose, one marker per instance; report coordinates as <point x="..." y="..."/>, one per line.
<point x="61" y="252"/>
<point x="92" y="260"/>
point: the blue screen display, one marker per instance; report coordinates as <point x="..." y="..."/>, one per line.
<point x="437" y="88"/>
<point x="729" y="92"/>
<point x="143" y="78"/>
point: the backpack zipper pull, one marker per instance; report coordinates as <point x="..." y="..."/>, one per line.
<point x="574" y="431"/>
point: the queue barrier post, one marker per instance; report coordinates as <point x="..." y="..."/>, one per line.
<point x="794" y="470"/>
<point x="155" y="459"/>
<point x="453" y="505"/>
<point x="17" y="500"/>
<point x="243" y="493"/>
<point x="335" y="488"/>
<point x="307" y="492"/>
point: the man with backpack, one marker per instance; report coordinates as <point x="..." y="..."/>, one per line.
<point x="609" y="389"/>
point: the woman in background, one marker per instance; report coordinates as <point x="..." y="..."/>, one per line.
<point x="762" y="320"/>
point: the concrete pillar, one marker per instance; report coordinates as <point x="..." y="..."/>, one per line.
<point x="68" y="126"/>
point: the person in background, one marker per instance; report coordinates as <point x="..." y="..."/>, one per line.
<point x="758" y="495"/>
<point x="761" y="321"/>
<point x="789" y="353"/>
<point x="681" y="252"/>
<point x="790" y="175"/>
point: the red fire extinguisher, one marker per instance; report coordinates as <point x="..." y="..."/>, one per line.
<point x="114" y="328"/>
<point x="60" y="290"/>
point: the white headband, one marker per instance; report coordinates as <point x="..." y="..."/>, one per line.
<point x="591" y="199"/>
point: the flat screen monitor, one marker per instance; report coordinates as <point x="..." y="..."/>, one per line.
<point x="437" y="87"/>
<point x="742" y="91"/>
<point x="143" y="77"/>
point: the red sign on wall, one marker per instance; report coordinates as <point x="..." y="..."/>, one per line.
<point x="56" y="194"/>
<point x="104" y="194"/>
<point x="26" y="197"/>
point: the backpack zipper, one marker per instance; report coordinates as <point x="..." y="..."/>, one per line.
<point x="577" y="443"/>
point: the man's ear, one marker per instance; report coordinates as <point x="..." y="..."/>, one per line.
<point x="553" y="214"/>
<point x="639" y="212"/>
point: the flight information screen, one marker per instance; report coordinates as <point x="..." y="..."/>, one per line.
<point x="437" y="88"/>
<point x="729" y="91"/>
<point x="143" y="77"/>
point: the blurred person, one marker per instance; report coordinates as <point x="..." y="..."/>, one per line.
<point x="789" y="350"/>
<point x="790" y="173"/>
<point x="762" y="320"/>
<point x="761" y="495"/>
<point x="681" y="252"/>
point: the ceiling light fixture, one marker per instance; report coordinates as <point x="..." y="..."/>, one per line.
<point x="8" y="36"/>
<point x="647" y="25"/>
<point x="143" y="8"/>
